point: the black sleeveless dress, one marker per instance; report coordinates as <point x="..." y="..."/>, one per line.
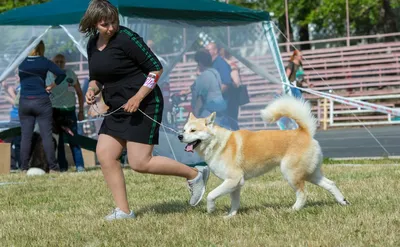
<point x="122" y="67"/>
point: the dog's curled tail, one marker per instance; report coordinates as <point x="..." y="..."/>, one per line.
<point x="296" y="109"/>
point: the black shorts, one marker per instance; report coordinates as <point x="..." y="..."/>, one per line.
<point x="134" y="127"/>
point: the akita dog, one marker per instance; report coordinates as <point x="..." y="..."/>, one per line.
<point x="236" y="156"/>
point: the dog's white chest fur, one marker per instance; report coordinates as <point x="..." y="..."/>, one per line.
<point x="212" y="156"/>
<point x="219" y="169"/>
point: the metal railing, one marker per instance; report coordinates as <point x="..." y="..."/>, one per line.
<point x="330" y="116"/>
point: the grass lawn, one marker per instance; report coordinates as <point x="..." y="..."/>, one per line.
<point x="68" y="210"/>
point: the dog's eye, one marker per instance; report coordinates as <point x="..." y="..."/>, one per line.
<point x="192" y="130"/>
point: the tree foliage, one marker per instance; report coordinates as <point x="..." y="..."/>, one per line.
<point x="327" y="18"/>
<point x="309" y="19"/>
<point x="6" y="5"/>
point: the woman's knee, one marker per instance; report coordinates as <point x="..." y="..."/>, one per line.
<point x="108" y="150"/>
<point x="141" y="166"/>
<point x="104" y="157"/>
<point x="139" y="156"/>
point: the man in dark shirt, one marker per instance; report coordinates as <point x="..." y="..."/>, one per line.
<point x="224" y="70"/>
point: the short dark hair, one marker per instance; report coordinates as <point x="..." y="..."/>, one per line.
<point x="203" y="57"/>
<point x="97" y="11"/>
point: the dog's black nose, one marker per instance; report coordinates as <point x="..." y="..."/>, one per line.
<point x="180" y="137"/>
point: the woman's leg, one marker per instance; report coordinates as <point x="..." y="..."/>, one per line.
<point x="27" y="120"/>
<point x="75" y="148"/>
<point x="141" y="160"/>
<point x="62" y="159"/>
<point x="45" y="121"/>
<point x="108" y="151"/>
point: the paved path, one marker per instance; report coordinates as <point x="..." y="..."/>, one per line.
<point x="339" y="143"/>
<point x="335" y="143"/>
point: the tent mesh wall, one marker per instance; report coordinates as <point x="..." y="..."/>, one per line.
<point x="175" y="44"/>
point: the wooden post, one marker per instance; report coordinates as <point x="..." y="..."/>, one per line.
<point x="287" y="26"/>
<point x="319" y="112"/>
<point x="347" y="23"/>
<point x="5" y="160"/>
<point x="325" y="119"/>
<point x="89" y="157"/>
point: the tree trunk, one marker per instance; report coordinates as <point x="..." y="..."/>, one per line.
<point x="304" y="36"/>
<point x="388" y="19"/>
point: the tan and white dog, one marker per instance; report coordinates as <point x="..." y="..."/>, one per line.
<point x="236" y="156"/>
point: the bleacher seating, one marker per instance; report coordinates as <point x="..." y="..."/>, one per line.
<point x="364" y="70"/>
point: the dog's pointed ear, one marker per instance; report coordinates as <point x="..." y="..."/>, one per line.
<point x="211" y="119"/>
<point x="191" y="116"/>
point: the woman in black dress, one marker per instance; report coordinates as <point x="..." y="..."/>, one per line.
<point x="124" y="69"/>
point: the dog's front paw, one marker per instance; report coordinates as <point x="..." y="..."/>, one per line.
<point x="230" y="215"/>
<point x="210" y="207"/>
<point x="227" y="217"/>
<point x="297" y="207"/>
<point x="345" y="202"/>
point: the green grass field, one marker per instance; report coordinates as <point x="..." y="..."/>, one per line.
<point x="68" y="210"/>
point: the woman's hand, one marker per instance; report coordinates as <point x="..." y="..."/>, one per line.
<point x="90" y="96"/>
<point x="50" y="87"/>
<point x="133" y="104"/>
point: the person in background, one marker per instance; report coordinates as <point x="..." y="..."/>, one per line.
<point x="64" y="100"/>
<point x="235" y="70"/>
<point x="35" y="104"/>
<point x="235" y="75"/>
<point x="295" y="73"/>
<point x="224" y="70"/>
<point x="207" y="90"/>
<point x="13" y="94"/>
<point x="85" y="85"/>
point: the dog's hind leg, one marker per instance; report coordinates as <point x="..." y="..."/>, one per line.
<point x="231" y="186"/>
<point x="295" y="179"/>
<point x="301" y="197"/>
<point x="318" y="179"/>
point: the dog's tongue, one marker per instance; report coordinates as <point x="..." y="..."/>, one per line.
<point x="189" y="148"/>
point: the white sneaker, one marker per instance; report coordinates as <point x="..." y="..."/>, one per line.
<point x="118" y="214"/>
<point x="197" y="186"/>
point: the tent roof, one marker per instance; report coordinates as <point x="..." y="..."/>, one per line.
<point x="193" y="12"/>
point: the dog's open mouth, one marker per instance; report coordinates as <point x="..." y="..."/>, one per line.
<point x="191" y="146"/>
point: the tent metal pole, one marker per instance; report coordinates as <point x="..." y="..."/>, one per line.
<point x="347" y="23"/>
<point x="77" y="44"/>
<point x="273" y="44"/>
<point x="22" y="56"/>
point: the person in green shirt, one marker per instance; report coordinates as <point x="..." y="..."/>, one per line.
<point x="64" y="100"/>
